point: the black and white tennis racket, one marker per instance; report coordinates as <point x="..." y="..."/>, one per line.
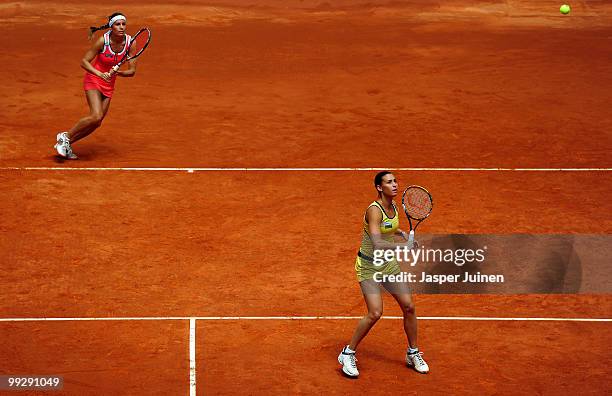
<point x="140" y="41"/>
<point x="417" y="203"/>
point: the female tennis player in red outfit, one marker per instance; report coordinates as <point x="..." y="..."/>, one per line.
<point x="99" y="83"/>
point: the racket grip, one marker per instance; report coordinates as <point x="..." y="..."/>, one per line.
<point x="411" y="237"/>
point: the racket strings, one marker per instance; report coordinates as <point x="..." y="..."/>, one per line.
<point x="139" y="43"/>
<point x="418" y="203"/>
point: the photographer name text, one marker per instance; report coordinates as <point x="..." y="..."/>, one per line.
<point x="425" y="277"/>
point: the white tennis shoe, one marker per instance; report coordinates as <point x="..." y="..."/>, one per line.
<point x="63" y="147"/>
<point x="59" y="146"/>
<point x="416" y="361"/>
<point x="348" y="362"/>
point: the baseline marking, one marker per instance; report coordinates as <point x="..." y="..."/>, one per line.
<point x="193" y="319"/>
<point x="192" y="357"/>
<point x="192" y="326"/>
<point x="192" y="170"/>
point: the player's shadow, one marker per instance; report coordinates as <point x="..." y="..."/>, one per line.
<point x="374" y="358"/>
<point x="93" y="151"/>
<point x="58" y="159"/>
<point x="378" y="357"/>
<point x="88" y="152"/>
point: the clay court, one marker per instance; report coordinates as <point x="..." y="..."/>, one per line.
<point x="205" y="239"/>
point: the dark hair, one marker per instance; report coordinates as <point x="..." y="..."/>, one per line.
<point x="93" y="29"/>
<point x="379" y="176"/>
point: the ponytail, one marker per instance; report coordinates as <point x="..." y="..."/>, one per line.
<point x="93" y="29"/>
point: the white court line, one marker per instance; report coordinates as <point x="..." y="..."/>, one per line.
<point x="192" y="319"/>
<point x="191" y="170"/>
<point x="192" y="357"/>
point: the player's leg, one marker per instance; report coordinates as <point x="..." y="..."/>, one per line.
<point x="401" y="292"/>
<point x="373" y="298"/>
<point x="374" y="302"/>
<point x="84" y="126"/>
<point x="105" y="106"/>
<point x="410" y="321"/>
<point x="98" y="107"/>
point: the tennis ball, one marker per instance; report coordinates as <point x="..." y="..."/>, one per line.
<point x="565" y="9"/>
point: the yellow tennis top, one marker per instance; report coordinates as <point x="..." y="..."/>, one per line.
<point x="364" y="265"/>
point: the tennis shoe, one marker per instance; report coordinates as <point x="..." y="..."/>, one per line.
<point x="416" y="361"/>
<point x="71" y="155"/>
<point x="59" y="145"/>
<point x="348" y="362"/>
<point x="63" y="146"/>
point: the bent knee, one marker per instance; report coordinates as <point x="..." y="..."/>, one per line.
<point x="375" y="314"/>
<point x="97" y="118"/>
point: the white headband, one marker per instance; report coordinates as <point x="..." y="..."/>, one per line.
<point x="115" y="19"/>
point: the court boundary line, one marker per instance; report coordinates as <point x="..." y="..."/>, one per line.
<point x="314" y="169"/>
<point x="192" y="357"/>
<point x="193" y="319"/>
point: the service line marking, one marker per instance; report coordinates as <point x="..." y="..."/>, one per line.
<point x="192" y="170"/>
<point x="193" y="319"/>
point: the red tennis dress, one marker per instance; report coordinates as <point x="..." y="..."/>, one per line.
<point x="103" y="62"/>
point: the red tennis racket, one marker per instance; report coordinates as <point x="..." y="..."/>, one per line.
<point x="417" y="203"/>
<point x="140" y="41"/>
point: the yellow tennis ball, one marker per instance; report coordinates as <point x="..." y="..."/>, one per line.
<point x="565" y="9"/>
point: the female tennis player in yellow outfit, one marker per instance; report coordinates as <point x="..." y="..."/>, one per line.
<point x="380" y="225"/>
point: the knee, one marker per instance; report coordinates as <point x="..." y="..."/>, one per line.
<point x="96" y="119"/>
<point x="409" y="308"/>
<point x="375" y="314"/>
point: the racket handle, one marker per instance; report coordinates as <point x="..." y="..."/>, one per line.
<point x="411" y="237"/>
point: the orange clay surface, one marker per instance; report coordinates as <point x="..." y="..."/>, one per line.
<point x="308" y="84"/>
<point x="447" y="85"/>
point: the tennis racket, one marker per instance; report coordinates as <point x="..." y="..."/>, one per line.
<point x="140" y="42"/>
<point x="417" y="203"/>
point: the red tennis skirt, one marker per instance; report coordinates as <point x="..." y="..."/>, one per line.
<point x="92" y="81"/>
